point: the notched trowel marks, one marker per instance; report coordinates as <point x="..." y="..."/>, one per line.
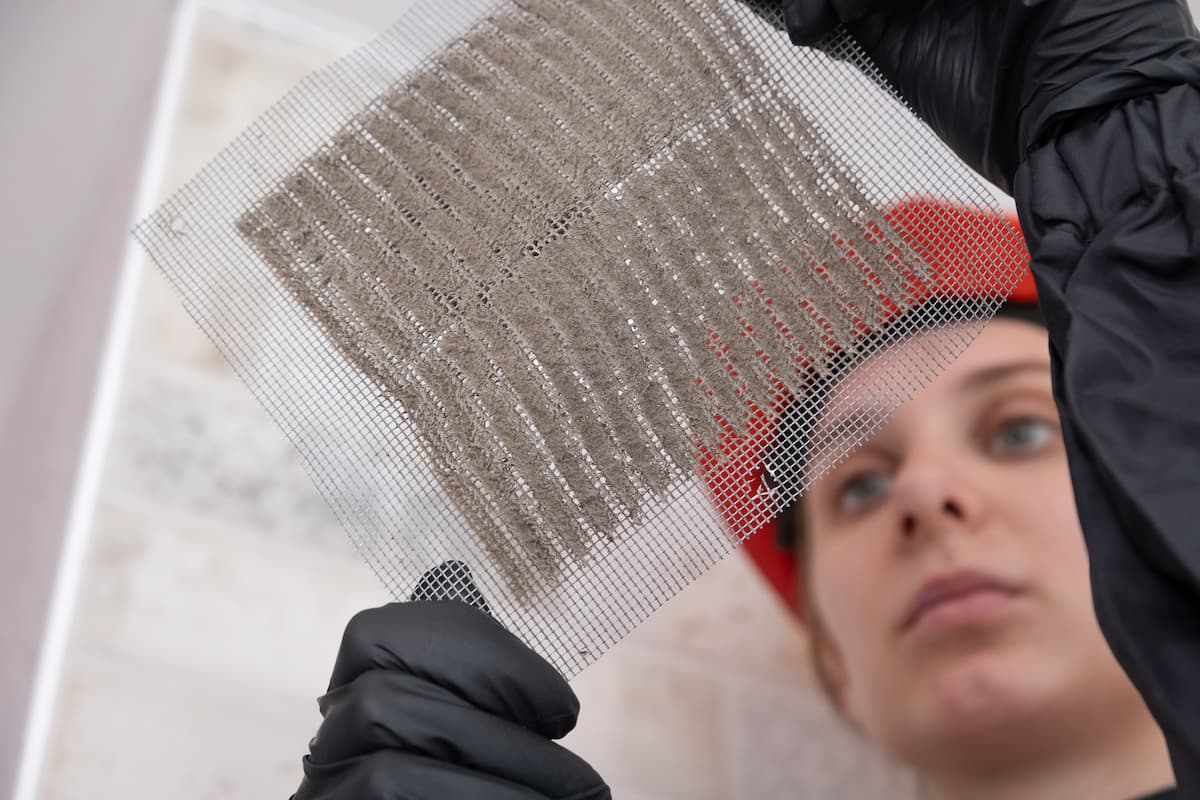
<point x="577" y="245"/>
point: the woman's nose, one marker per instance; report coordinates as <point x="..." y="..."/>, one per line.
<point x="934" y="498"/>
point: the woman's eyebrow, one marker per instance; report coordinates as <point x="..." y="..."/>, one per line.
<point x="987" y="376"/>
<point x="849" y="428"/>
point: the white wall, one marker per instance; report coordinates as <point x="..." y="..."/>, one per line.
<point x="76" y="85"/>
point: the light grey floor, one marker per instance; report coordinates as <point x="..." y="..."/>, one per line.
<point x="218" y="583"/>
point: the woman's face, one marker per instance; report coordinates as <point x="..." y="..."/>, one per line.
<point x="948" y="570"/>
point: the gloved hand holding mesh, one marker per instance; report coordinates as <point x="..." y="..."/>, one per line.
<point x="995" y="79"/>
<point x="1089" y="112"/>
<point x="435" y="700"/>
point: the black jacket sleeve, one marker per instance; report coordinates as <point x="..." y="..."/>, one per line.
<point x="1111" y="212"/>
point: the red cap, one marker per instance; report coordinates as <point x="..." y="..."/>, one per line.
<point x="981" y="238"/>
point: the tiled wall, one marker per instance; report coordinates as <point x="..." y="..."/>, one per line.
<point x="218" y="584"/>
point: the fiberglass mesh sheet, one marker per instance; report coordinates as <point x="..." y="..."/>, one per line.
<point x="529" y="284"/>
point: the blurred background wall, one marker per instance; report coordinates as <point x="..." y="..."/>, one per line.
<point x="77" y="84"/>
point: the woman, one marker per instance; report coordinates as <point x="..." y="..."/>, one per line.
<point x="975" y="657"/>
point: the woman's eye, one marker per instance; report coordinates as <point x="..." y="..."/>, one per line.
<point x="860" y="491"/>
<point x="1021" y="436"/>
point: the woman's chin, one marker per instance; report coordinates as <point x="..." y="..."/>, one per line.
<point x="990" y="703"/>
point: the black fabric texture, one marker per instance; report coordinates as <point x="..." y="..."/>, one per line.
<point x="1165" y="794"/>
<point x="398" y="775"/>
<point x="1111" y="211"/>
<point x="435" y="699"/>
<point x="996" y="79"/>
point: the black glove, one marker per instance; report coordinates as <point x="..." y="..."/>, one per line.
<point x="435" y="700"/>
<point x="997" y="78"/>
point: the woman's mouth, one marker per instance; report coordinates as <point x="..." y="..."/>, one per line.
<point x="957" y="598"/>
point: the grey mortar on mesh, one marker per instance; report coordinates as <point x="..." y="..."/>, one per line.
<point x="534" y="243"/>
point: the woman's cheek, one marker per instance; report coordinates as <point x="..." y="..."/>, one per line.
<point x="847" y="609"/>
<point x="854" y="649"/>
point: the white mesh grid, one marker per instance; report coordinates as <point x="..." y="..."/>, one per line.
<point x="677" y="228"/>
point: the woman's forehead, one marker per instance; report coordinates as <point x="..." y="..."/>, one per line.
<point x="878" y="386"/>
